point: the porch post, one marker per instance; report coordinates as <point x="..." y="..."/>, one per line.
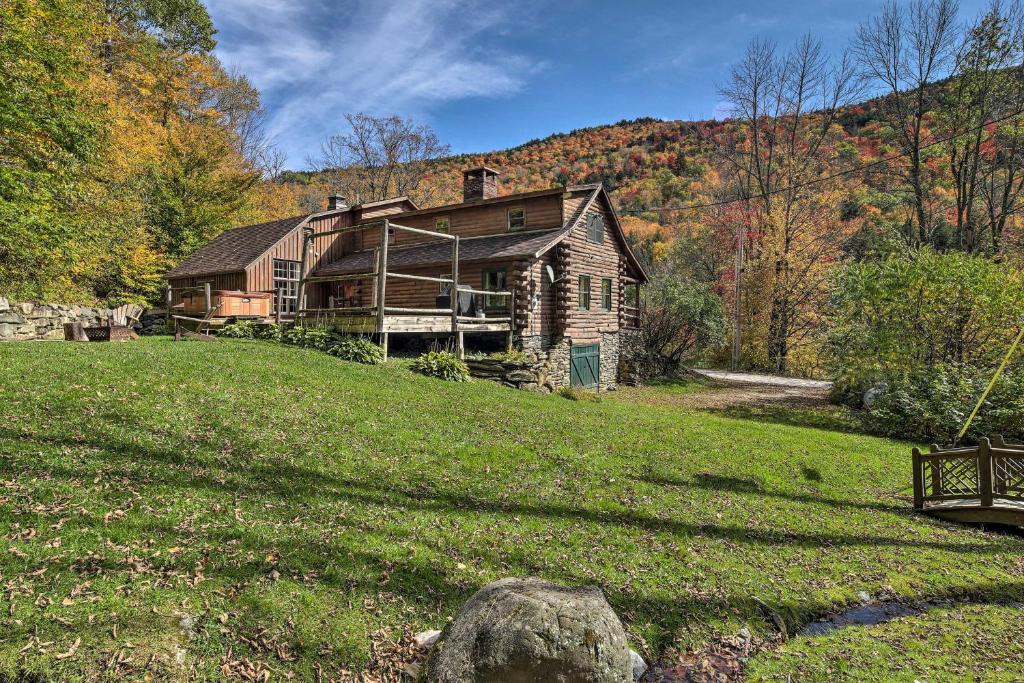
<point x="300" y="303"/>
<point x="454" y="300"/>
<point x="382" y="278"/>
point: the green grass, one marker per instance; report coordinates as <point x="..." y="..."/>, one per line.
<point x="169" y="504"/>
<point x="963" y="643"/>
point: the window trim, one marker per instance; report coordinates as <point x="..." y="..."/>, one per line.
<point x="606" y="282"/>
<point x="596" y="237"/>
<point x="580" y="299"/>
<point x="508" y="218"/>
<point x="292" y="274"/>
<point x="448" y="225"/>
<point x="494" y="303"/>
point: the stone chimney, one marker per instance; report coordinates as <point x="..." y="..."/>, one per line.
<point x="336" y="201"/>
<point x="479" y="183"/>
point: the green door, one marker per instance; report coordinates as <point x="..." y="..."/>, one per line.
<point x="584" y="365"/>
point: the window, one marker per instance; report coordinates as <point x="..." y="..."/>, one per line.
<point x="606" y="294"/>
<point x="584" y="292"/>
<point x="442" y="287"/>
<point x="494" y="281"/>
<point x="286" y="285"/>
<point x="392" y="233"/>
<point x="517" y="218"/>
<point x="442" y="225"/>
<point x="595" y="228"/>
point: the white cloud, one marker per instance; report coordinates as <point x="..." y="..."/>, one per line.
<point x="317" y="59"/>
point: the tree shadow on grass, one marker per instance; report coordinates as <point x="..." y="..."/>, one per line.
<point x="752" y="487"/>
<point x="421" y="579"/>
<point x="827" y="417"/>
<point x="253" y="476"/>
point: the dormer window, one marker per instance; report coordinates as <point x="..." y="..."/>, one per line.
<point x="517" y="218"/>
<point x="443" y="225"/>
<point x="595" y="228"/>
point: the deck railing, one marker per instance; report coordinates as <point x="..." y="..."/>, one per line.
<point x="380" y="274"/>
<point x="991" y="471"/>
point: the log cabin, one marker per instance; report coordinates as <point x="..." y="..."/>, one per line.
<point x="551" y="270"/>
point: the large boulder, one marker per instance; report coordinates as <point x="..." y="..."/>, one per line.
<point x="529" y="630"/>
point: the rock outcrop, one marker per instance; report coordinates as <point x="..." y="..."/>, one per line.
<point x="527" y="630"/>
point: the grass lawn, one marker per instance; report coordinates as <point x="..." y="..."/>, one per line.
<point x="206" y="510"/>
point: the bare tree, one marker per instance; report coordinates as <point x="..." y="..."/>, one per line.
<point x="784" y="109"/>
<point x="906" y="49"/>
<point x="380" y="157"/>
<point x="985" y="86"/>
<point x="245" y="115"/>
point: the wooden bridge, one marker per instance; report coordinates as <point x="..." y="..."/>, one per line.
<point x="379" y="317"/>
<point x="983" y="483"/>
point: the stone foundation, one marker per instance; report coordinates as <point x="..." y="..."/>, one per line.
<point x="629" y="340"/>
<point x="556" y="352"/>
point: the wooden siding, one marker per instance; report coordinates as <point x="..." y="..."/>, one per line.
<point x="542" y="213"/>
<point x="599" y="261"/>
<point x="260" y="274"/>
<point x="231" y="281"/>
<point x="540" y="318"/>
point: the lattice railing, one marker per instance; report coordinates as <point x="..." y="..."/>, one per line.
<point x="953" y="476"/>
<point x="983" y="472"/>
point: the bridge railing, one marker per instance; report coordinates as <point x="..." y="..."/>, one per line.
<point x="988" y="472"/>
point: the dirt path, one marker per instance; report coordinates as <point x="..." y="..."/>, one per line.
<point x="729" y="377"/>
<point x="727" y="390"/>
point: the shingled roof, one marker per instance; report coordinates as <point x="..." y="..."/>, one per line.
<point x="235" y="249"/>
<point x="491" y="247"/>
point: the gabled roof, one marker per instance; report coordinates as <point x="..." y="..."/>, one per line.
<point x="596" y="191"/>
<point x="238" y="248"/>
<point x="487" y="248"/>
<point x="234" y="249"/>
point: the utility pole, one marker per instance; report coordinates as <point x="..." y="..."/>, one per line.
<point x="736" y="332"/>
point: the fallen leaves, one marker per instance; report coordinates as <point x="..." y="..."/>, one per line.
<point x="71" y="651"/>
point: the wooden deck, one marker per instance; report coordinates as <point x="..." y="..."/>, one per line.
<point x="427" y="324"/>
<point x="383" y="317"/>
<point x="977" y="484"/>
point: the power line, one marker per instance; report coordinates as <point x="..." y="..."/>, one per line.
<point x="824" y="179"/>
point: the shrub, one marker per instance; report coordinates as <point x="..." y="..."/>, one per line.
<point x="513" y="356"/>
<point x="900" y="315"/>
<point x="271" y="332"/>
<point x="242" y="329"/>
<point x="443" y="365"/>
<point x="357" y="350"/>
<point x="307" y="337"/>
<point x="932" y="404"/>
<point x="579" y="394"/>
<point x="680" y="319"/>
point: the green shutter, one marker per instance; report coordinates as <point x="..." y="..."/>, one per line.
<point x="584" y="365"/>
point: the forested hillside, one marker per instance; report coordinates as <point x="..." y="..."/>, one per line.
<point x="125" y="145"/>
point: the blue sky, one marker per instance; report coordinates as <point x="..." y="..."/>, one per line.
<point x="493" y="75"/>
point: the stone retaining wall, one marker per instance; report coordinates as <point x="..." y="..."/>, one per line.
<point x="20" y="321"/>
<point x="25" y="321"/>
<point x="533" y="375"/>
